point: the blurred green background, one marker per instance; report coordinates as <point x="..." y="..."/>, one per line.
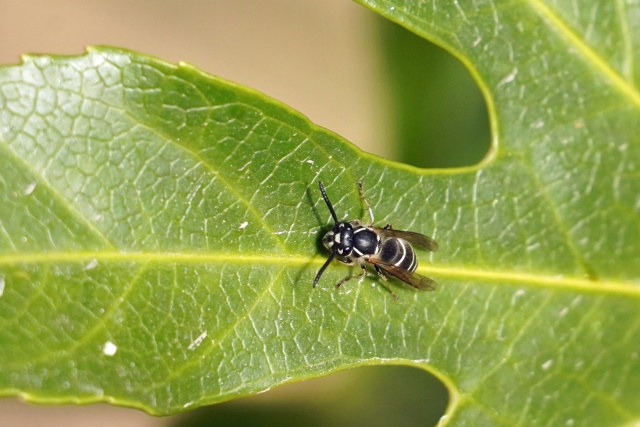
<point x="437" y="112"/>
<point x="378" y="85"/>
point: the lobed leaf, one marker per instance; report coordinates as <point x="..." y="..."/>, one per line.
<point x="159" y="230"/>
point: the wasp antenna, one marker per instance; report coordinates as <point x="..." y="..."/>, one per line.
<point x="326" y="264"/>
<point x="326" y="200"/>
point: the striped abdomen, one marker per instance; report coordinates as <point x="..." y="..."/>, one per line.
<point x="399" y="253"/>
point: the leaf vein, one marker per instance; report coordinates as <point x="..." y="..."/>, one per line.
<point x="64" y="202"/>
<point x="457" y="272"/>
<point x="589" y="54"/>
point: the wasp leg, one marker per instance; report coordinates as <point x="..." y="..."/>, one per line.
<point x="346" y="279"/>
<point x="395" y="297"/>
<point x="364" y="199"/>
<point x="384" y="284"/>
<point x="388" y="227"/>
<point x="385" y="278"/>
<point x="380" y="273"/>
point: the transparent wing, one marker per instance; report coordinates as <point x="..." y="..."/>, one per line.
<point x="420" y="240"/>
<point x="413" y="279"/>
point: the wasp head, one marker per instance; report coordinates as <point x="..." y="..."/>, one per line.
<point x="340" y="239"/>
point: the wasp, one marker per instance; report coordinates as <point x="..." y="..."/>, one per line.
<point x="389" y="251"/>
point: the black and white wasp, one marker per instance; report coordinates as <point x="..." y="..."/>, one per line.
<point x="388" y="250"/>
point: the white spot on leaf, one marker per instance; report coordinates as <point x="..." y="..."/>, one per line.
<point x="243" y="225"/>
<point x="30" y="188"/>
<point x="546" y="365"/>
<point x="109" y="348"/>
<point x="7" y="128"/>
<point x="1" y="285"/>
<point x="516" y="295"/>
<point x="91" y="264"/>
<point x="509" y="77"/>
<point x="196" y="343"/>
<point x="533" y="247"/>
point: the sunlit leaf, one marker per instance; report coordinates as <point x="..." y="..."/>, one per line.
<point x="160" y="230"/>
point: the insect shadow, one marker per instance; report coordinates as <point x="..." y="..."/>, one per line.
<point x="323" y="227"/>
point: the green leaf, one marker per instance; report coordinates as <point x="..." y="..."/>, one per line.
<point x="160" y="228"/>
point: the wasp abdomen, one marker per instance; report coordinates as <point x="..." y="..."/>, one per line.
<point x="399" y="253"/>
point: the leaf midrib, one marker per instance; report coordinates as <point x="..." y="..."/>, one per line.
<point x="513" y="278"/>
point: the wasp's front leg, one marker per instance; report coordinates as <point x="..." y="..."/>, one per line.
<point x="346" y="279"/>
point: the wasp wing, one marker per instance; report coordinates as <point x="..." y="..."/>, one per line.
<point x="420" y="240"/>
<point x="410" y="278"/>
